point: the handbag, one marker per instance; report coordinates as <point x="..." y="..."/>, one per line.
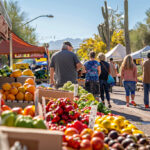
<point x="110" y="79"/>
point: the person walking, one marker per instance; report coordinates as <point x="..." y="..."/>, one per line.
<point x="113" y="70"/>
<point x="104" y="86"/>
<point x="129" y="77"/>
<point x="64" y="64"/>
<point x="146" y="80"/>
<point x="93" y="71"/>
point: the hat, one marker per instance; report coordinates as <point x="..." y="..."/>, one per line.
<point x="68" y="43"/>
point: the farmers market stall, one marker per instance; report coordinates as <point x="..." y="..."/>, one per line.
<point x="117" y="53"/>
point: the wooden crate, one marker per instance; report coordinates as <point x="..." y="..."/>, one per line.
<point x="55" y="94"/>
<point x="22" y="79"/>
<point x="34" y="139"/>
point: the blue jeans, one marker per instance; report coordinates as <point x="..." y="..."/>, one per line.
<point x="130" y="87"/>
<point x="104" y="87"/>
<point x="146" y="93"/>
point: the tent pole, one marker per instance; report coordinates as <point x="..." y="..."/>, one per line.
<point x="11" y="55"/>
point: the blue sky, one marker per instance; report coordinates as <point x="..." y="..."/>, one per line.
<point x="76" y="18"/>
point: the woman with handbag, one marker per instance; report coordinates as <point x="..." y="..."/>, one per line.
<point x="104" y="85"/>
<point x="129" y="77"/>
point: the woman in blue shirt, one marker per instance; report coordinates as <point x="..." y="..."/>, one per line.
<point x="93" y="71"/>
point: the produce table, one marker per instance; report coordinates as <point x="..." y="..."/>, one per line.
<point x="84" y="122"/>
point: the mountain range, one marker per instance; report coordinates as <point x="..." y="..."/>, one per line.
<point x="56" y="45"/>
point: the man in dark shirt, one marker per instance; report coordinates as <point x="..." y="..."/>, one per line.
<point x="65" y="65"/>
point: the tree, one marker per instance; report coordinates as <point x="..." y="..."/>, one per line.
<point x="18" y="18"/>
<point x="140" y="35"/>
<point x="126" y="28"/>
<point x="92" y="44"/>
<point x="113" y="21"/>
<point x="117" y="38"/>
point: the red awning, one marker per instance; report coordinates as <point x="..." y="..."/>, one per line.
<point x="19" y="46"/>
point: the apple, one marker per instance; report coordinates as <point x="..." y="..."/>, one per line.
<point x="86" y="131"/>
<point x="5" y="107"/>
<point x="71" y="131"/>
<point x="99" y="134"/>
<point x="97" y="143"/>
<point x="85" y="145"/>
<point x="17" y="110"/>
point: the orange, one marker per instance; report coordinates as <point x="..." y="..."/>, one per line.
<point x="14" y="91"/>
<point x="11" y="97"/>
<point x="4" y="97"/>
<point x="25" y="85"/>
<point x="16" y="84"/>
<point x="1" y="91"/>
<point x="6" y="86"/>
<point x="16" y="73"/>
<point x="30" y="88"/>
<point x="6" y="93"/>
<point x="30" y="81"/>
<point x="21" y="89"/>
<point x="20" y="96"/>
<point x="28" y="96"/>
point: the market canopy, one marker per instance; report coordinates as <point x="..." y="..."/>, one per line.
<point x="117" y="53"/>
<point x="138" y="54"/>
<point x="21" y="49"/>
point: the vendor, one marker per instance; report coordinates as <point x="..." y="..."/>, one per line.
<point x="64" y="64"/>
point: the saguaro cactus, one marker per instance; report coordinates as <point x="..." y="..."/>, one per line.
<point x="104" y="28"/>
<point x="126" y="28"/>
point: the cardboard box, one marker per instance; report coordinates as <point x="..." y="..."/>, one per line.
<point x="34" y="139"/>
<point x="21" y="104"/>
<point x="55" y="94"/>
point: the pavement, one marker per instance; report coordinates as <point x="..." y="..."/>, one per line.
<point x="138" y="115"/>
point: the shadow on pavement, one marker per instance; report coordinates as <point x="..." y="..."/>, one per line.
<point x="118" y="102"/>
<point x="128" y="116"/>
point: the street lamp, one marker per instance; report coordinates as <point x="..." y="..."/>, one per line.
<point x="48" y="16"/>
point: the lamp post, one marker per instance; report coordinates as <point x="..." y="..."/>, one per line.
<point x="48" y="16"/>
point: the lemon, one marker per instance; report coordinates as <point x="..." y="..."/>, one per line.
<point x="114" y="126"/>
<point x="97" y="126"/>
<point x="131" y="126"/>
<point x="126" y="123"/>
<point x="110" y="118"/>
<point x="97" y="118"/>
<point x="126" y="130"/>
<point x="119" y="122"/>
<point x="99" y="121"/>
<point x="134" y="131"/>
<point x="106" y="124"/>
<point x="101" y="129"/>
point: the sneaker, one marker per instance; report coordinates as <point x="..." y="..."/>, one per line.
<point x="109" y="105"/>
<point x="146" y="106"/>
<point x="127" y="104"/>
<point x="133" y="103"/>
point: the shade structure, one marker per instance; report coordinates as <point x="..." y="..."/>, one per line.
<point x="19" y="46"/>
<point x="138" y="54"/>
<point x="117" y="53"/>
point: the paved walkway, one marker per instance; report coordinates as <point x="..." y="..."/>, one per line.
<point x="137" y="115"/>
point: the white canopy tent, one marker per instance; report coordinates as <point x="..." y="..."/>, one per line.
<point x="138" y="54"/>
<point x="117" y="53"/>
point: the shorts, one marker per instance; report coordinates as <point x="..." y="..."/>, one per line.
<point x="130" y="87"/>
<point x="93" y="87"/>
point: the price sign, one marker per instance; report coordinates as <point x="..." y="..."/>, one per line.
<point x="76" y="89"/>
<point x="36" y="100"/>
<point x="44" y="107"/>
<point x="93" y="114"/>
